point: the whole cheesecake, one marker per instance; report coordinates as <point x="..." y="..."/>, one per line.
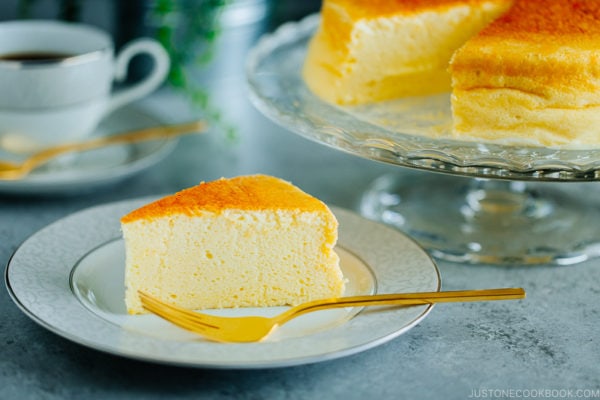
<point x="523" y="72"/>
<point x="532" y="76"/>
<point x="246" y="241"/>
<point x="372" y="50"/>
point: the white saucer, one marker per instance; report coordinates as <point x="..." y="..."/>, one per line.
<point x="78" y="293"/>
<point x="87" y="170"/>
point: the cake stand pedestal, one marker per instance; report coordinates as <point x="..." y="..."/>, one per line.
<point x="488" y="221"/>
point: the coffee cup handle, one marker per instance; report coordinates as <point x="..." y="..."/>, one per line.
<point x="147" y="85"/>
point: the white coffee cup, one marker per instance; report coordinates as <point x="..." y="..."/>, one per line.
<point x="56" y="80"/>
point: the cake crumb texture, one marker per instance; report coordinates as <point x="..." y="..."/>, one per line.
<point x="368" y="51"/>
<point x="252" y="241"/>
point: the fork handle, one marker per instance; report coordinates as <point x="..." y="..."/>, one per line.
<point x="405" y="299"/>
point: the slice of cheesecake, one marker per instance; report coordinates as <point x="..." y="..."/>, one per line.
<point x="246" y="241"/>
<point x="372" y="50"/>
<point x="532" y="76"/>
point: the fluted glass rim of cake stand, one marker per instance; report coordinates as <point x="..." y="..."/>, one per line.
<point x="277" y="89"/>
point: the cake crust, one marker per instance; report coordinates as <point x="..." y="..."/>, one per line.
<point x="554" y="22"/>
<point x="368" y="9"/>
<point x="541" y="43"/>
<point x="252" y="192"/>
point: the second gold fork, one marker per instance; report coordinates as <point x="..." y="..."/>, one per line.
<point x="13" y="171"/>
<point x="254" y="328"/>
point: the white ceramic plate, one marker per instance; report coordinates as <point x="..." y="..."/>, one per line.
<point x="85" y="171"/>
<point x="78" y="292"/>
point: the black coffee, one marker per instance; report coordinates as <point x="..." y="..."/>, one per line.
<point x="34" y="56"/>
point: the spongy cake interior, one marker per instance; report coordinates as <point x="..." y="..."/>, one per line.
<point x="232" y="243"/>
<point x="368" y="51"/>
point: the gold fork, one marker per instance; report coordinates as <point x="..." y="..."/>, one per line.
<point x="255" y="329"/>
<point x="13" y="170"/>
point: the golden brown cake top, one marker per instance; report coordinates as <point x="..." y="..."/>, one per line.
<point x="558" y="21"/>
<point x="358" y="9"/>
<point x="252" y="192"/>
<point x="338" y="16"/>
<point x="538" y="46"/>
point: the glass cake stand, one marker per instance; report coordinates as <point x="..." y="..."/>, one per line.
<point x="489" y="203"/>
